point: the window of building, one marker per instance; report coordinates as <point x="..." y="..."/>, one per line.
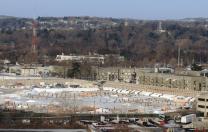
<point x="200" y="99"/>
<point x="201" y="106"/>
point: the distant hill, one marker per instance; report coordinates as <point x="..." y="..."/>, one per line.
<point x="142" y="42"/>
<point x="194" y="19"/>
<point x="6" y="17"/>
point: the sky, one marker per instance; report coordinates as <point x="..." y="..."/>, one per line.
<point x="136" y="9"/>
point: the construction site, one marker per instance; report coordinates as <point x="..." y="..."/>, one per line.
<point x="89" y="100"/>
<point x="71" y="97"/>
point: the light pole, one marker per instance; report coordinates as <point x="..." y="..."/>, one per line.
<point x="179" y="55"/>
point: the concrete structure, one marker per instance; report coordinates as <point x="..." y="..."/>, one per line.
<point x="204" y="73"/>
<point x="94" y="58"/>
<point x="31" y="70"/>
<point x="202" y="104"/>
<point x="160" y="29"/>
<point x="5" y="62"/>
<point x="117" y="74"/>
<point x="164" y="70"/>
<point x="81" y="58"/>
<point x="148" y="77"/>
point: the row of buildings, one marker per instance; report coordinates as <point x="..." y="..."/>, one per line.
<point x="149" y="76"/>
<point x="82" y="23"/>
<point x="40" y="70"/>
<point x="187" y="80"/>
<point x="162" y="77"/>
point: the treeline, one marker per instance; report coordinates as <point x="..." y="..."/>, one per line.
<point x="141" y="44"/>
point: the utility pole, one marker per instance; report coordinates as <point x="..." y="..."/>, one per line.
<point x="34" y="37"/>
<point x="74" y="104"/>
<point x="200" y="57"/>
<point x="94" y="107"/>
<point x="179" y="55"/>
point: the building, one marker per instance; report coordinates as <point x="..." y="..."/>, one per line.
<point x="5" y="62"/>
<point x="147" y="76"/>
<point x="164" y="70"/>
<point x="129" y="75"/>
<point x="160" y="29"/>
<point x="28" y="70"/>
<point x="93" y="58"/>
<point x="81" y="58"/>
<point x="204" y="73"/>
<point x="114" y="57"/>
<point x="202" y="104"/>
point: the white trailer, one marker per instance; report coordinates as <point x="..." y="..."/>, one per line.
<point x="188" y="118"/>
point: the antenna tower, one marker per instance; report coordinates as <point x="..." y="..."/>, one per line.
<point x="34" y="37"/>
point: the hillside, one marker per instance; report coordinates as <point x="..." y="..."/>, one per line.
<point x="139" y="41"/>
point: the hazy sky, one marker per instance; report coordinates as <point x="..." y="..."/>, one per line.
<point x="139" y="9"/>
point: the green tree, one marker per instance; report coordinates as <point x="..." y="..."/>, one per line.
<point x="75" y="72"/>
